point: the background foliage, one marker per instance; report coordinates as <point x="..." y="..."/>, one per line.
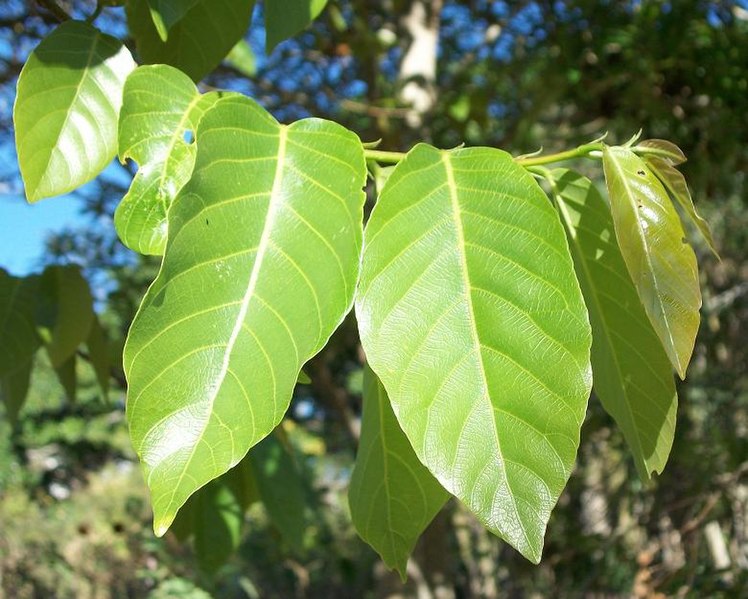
<point x="74" y="519"/>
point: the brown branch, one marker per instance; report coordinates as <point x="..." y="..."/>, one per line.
<point x="325" y="387"/>
<point x="51" y="6"/>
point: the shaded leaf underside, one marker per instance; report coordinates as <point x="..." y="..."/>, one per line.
<point x="392" y="496"/>
<point x="632" y="374"/>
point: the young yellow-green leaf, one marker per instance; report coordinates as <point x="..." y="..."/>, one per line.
<point x="198" y="41"/>
<point x="67" y="104"/>
<point x="662" y="148"/>
<point x="631" y="371"/>
<point x="285" y="18"/>
<point x="98" y="354"/>
<point x="472" y="317"/>
<point x="675" y="183"/>
<point x="166" y="13"/>
<point x="64" y="312"/>
<point x="18" y="336"/>
<point x="260" y="268"/>
<point x="660" y="261"/>
<point x="161" y="106"/>
<point x="281" y="488"/>
<point x="393" y="497"/>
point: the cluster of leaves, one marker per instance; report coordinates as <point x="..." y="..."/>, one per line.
<point x="484" y="309"/>
<point x="53" y="311"/>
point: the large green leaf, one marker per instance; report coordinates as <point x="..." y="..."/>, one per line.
<point x="675" y="183"/>
<point x="161" y="106"/>
<point x="392" y="496"/>
<point x="198" y="42"/>
<point x="67" y="103"/>
<point x="658" y="257"/>
<point x="260" y="268"/>
<point x="166" y="13"/>
<point x="64" y="311"/>
<point x="281" y="488"/>
<point x="18" y="337"/>
<point x="285" y="18"/>
<point x="632" y="374"/>
<point x="472" y="317"/>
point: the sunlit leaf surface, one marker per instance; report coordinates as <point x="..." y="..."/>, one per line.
<point x="472" y="317"/>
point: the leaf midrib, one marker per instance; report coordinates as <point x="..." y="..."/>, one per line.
<point x="461" y="244"/>
<point x="273" y="208"/>
<point x="83" y="77"/>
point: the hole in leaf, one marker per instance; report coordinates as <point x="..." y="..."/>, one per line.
<point x="188" y="136"/>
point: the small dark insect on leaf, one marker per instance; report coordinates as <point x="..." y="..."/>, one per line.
<point x="207" y="222"/>
<point x="640" y="173"/>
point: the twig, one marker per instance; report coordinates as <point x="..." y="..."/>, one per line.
<point x="51" y="6"/>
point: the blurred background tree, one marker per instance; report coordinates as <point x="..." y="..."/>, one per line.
<point x="74" y="520"/>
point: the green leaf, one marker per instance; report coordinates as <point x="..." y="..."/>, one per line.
<point x="67" y="376"/>
<point x="215" y="516"/>
<point x="243" y="59"/>
<point x="67" y="103"/>
<point x="393" y="497"/>
<point x="675" y="183"/>
<point x="18" y="337"/>
<point x="285" y="18"/>
<point x="166" y="13"/>
<point x="657" y="255"/>
<point x="471" y="315"/>
<point x="198" y="42"/>
<point x="303" y="378"/>
<point x="631" y="371"/>
<point x="260" y="268"/>
<point x="98" y="354"/>
<point x="65" y="312"/>
<point x="281" y="488"/>
<point x="161" y="106"/>
<point x="662" y="148"/>
<point x="14" y="387"/>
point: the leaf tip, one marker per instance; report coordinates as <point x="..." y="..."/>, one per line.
<point x="161" y="525"/>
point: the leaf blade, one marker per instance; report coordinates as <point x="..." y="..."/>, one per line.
<point x="286" y="18"/>
<point x="65" y="312"/>
<point x="66" y="109"/>
<point x="675" y="183"/>
<point x="387" y="465"/>
<point x="18" y="337"/>
<point x="661" y="263"/>
<point x="166" y="13"/>
<point x="198" y="42"/>
<point x="161" y="106"/>
<point x="219" y="339"/>
<point x="466" y="208"/>
<point x="631" y="371"/>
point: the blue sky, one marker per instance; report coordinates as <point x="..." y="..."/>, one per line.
<point x="24" y="227"/>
